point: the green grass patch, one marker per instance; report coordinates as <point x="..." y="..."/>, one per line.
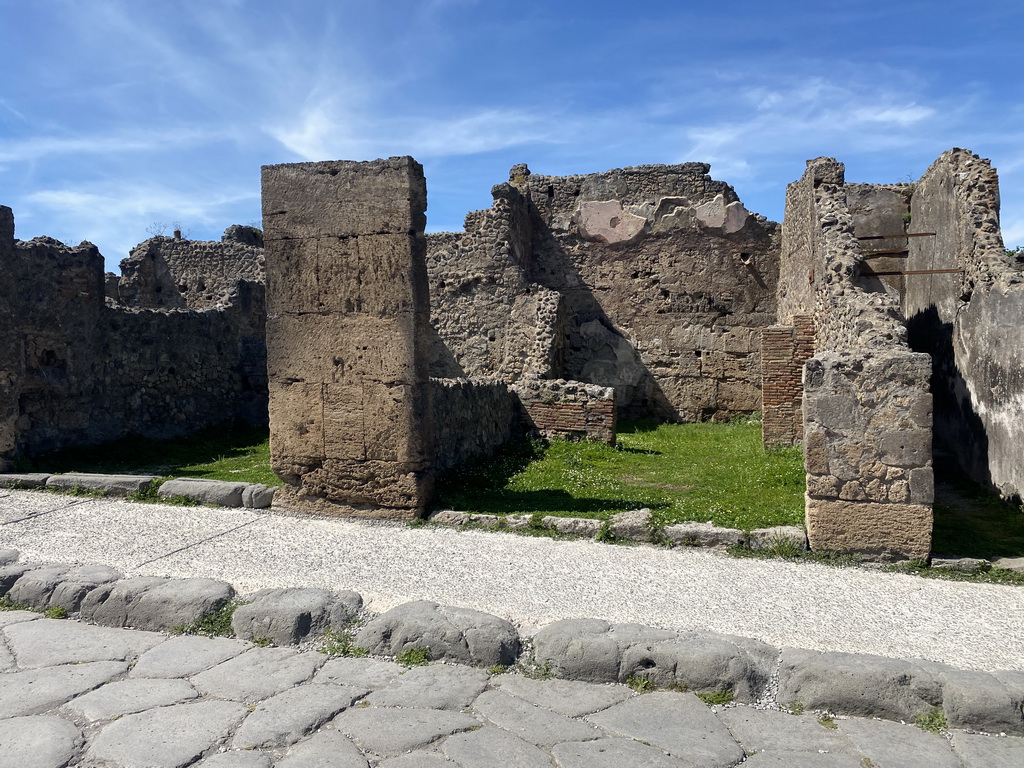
<point x="934" y="721"/>
<point x="716" y="698"/>
<point x="337" y="642"/>
<point x="413" y="657"/>
<point x="972" y="521"/>
<point x="218" y="453"/>
<point x="707" y="471"/>
<point x="216" y="624"/>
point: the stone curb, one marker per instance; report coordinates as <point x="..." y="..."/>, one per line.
<point x="221" y="493"/>
<point x="590" y="650"/>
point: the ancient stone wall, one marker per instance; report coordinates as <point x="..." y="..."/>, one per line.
<point x="347" y="331"/>
<point x="165" y="272"/>
<point x="93" y="372"/>
<point x="784" y="351"/>
<point x="971" y="323"/>
<point x="556" y="408"/>
<point x="866" y="405"/>
<point x="472" y="417"/>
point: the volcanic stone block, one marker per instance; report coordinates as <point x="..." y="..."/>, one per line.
<point x="350" y="413"/>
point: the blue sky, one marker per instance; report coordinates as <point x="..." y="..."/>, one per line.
<point x="115" y="115"/>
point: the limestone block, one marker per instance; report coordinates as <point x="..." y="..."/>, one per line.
<point x="367" y="488"/>
<point x="292" y="284"/>
<point x="343" y="198"/>
<point x="297" y="428"/>
<point x="869" y="528"/>
<point x="219" y="492"/>
<point x="907" y="448"/>
<point x="257" y="496"/>
<point x="109" y="485"/>
<point x="23" y="480"/>
<point x="703" y="535"/>
<point x="372" y="275"/>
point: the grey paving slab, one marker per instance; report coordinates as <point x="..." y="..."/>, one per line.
<point x="292" y="714"/>
<point x="679" y="723"/>
<point x="128" y="697"/>
<point x="802" y="760"/>
<point x="388" y="732"/>
<point x="38" y="742"/>
<point x="534" y="724"/>
<point x="258" y="674"/>
<point x="418" y="759"/>
<point x="613" y="753"/>
<point x="437" y="686"/>
<point x="978" y="751"/>
<point x="166" y="737"/>
<point x="16" y="617"/>
<point x="326" y="749"/>
<point x="567" y="697"/>
<point x="37" y="690"/>
<point x="896" y="745"/>
<point x="187" y="655"/>
<point x="765" y="730"/>
<point x="362" y="673"/>
<point x="49" y="642"/>
<point x="7" y="662"/>
<point x="489" y="747"/>
<point x="236" y="759"/>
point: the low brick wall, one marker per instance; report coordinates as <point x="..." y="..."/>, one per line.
<point x="568" y="409"/>
<point x="784" y="350"/>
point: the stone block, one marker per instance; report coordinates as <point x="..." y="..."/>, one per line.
<point x="702" y="535"/>
<point x="287" y="616"/>
<point x="434" y="686"/>
<point x="343" y="198"/>
<point x="39" y="742"/>
<point x="23" y="480"/>
<point x="297" y="428"/>
<point x="292" y="285"/>
<point x="634" y="525"/>
<point x="218" y="492"/>
<point x="977" y="701"/>
<point x="258" y="496"/>
<point x="763" y="538"/>
<point x="901" y="531"/>
<point x="909" y="448"/>
<point x="109" y="485"/>
<point x="447" y="632"/>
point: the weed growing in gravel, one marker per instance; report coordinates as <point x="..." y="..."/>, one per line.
<point x="498" y="669"/>
<point x="529" y="667"/>
<point x="7" y="605"/>
<point x="261" y="642"/>
<point x="150" y="496"/>
<point x="337" y="642"/>
<point x="56" y="612"/>
<point x="795" y="708"/>
<point x="413" y="657"/>
<point x="934" y="721"/>
<point x="641" y="684"/>
<point x="826" y="721"/>
<point x="716" y="698"/>
<point x="216" y="624"/>
<point x="76" y="490"/>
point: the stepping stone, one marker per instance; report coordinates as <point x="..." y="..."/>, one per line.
<point x="679" y="723"/>
<point x="166" y="737"/>
<point x="290" y="715"/>
<point x="447" y="632"/>
<point x="187" y="655"/>
<point x="128" y="697"/>
<point x="388" y="732"/>
<point x="568" y="697"/>
<point x="613" y="753"/>
<point x="38" y="742"/>
<point x="768" y="731"/>
<point x="51" y="642"/>
<point x="896" y="745"/>
<point x="489" y="747"/>
<point x="361" y="673"/>
<point x="39" y="690"/>
<point x="534" y="724"/>
<point x="258" y="674"/>
<point x="287" y="616"/>
<point x="323" y="749"/>
<point x="438" y="686"/>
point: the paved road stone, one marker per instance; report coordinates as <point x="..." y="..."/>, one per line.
<point x="419" y="759"/>
<point x="7" y="662"/>
<point x="388" y="732"/>
<point x="166" y="737"/>
<point x="490" y="747"/>
<point x="534" y="724"/>
<point x="988" y="751"/>
<point x="287" y="717"/>
<point x="258" y="674"/>
<point x="187" y="655"/>
<point x="802" y="760"/>
<point x="770" y="731"/>
<point x="896" y="745"/>
<point x="38" y="742"/>
<point x="613" y="753"/>
<point x="567" y="697"/>
<point x="362" y="673"/>
<point x="437" y="686"/>
<point x="326" y="749"/>
<point x="37" y="690"/>
<point x="245" y="759"/>
<point x="679" y="723"/>
<point x="50" y="642"/>
<point x="128" y="697"/>
<point x="7" y="618"/>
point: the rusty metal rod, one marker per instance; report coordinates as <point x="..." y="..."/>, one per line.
<point x="896" y="237"/>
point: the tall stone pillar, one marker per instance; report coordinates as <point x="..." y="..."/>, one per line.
<point x="347" y="314"/>
<point x="11" y="343"/>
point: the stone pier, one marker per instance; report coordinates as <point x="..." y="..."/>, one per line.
<point x="347" y="306"/>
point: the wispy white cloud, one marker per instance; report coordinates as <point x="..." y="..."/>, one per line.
<point x="36" y="147"/>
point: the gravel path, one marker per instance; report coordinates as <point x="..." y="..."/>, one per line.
<point x="533" y="581"/>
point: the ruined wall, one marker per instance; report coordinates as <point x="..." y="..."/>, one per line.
<point x="472" y="417"/>
<point x="866" y="405"/>
<point x="556" y="408"/>
<point x="165" y="272"/>
<point x="971" y="323"/>
<point x="347" y="330"/>
<point x="92" y="372"/>
<point x="784" y="351"/>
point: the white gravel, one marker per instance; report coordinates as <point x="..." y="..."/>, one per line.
<point x="534" y="581"/>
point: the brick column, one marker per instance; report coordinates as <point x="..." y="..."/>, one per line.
<point x="347" y="314"/>
<point x="784" y="350"/>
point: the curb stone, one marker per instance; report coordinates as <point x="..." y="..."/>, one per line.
<point x="592" y="650"/>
